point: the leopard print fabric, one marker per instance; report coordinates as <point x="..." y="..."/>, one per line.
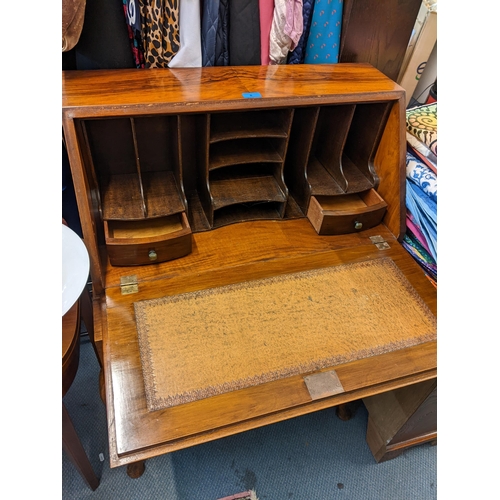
<point x="160" y="31"/>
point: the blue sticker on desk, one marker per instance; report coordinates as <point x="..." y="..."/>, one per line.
<point x="251" y="95"/>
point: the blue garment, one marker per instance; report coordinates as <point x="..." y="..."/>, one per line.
<point x="208" y="32"/>
<point x="424" y="211"/>
<point x="222" y="37"/>
<point x="297" y="55"/>
<point x="323" y="42"/>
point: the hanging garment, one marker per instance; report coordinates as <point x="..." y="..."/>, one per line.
<point x="222" y="35"/>
<point x="134" y="27"/>
<point x="323" y="42"/>
<point x="104" y="42"/>
<point x="160" y="31"/>
<point x="297" y="55"/>
<point x="73" y="15"/>
<point x="286" y="29"/>
<point x="294" y="23"/>
<point x="209" y="25"/>
<point x="189" y="54"/>
<point x="266" y="11"/>
<point x="244" y="33"/>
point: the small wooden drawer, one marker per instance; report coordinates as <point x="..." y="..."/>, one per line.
<point x="346" y="213"/>
<point x="131" y="243"/>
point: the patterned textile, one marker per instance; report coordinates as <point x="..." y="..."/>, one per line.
<point x="209" y="24"/>
<point x="421" y="122"/>
<point x="424" y="212"/>
<point x="160" y="31"/>
<point x="133" y="19"/>
<point x="323" y="42"/>
<point x="286" y="29"/>
<point x="297" y="55"/>
<point x="222" y="37"/>
<point x="424" y="155"/>
<point x="421" y="175"/>
<point x="420" y="254"/>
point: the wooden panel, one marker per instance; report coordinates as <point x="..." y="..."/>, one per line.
<point x="377" y="32"/>
<point x="191" y="90"/>
<point x="401" y="418"/>
<point x="138" y="429"/>
<point x="180" y="104"/>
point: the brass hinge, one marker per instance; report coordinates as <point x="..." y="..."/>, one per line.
<point x="379" y="242"/>
<point x="129" y="284"/>
<point x="323" y="384"/>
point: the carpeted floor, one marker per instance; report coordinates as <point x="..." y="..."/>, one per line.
<point x="313" y="457"/>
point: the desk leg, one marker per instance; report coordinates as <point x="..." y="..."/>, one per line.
<point x="347" y="410"/>
<point x="136" y="469"/>
<point x="88" y="319"/>
<point x="76" y="453"/>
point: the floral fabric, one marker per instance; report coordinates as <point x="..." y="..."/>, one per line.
<point x="421" y="175"/>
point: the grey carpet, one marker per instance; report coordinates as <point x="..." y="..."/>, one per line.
<point x="313" y="457"/>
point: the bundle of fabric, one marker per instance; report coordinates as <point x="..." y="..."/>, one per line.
<point x="421" y="187"/>
<point x="194" y="33"/>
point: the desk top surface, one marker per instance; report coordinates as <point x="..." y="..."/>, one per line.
<point x="188" y="90"/>
<point x="223" y="257"/>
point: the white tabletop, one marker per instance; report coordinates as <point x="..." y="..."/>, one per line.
<point x="75" y="268"/>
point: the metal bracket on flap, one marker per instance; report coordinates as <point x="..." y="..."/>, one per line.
<point x="379" y="242"/>
<point x="129" y="284"/>
<point x="323" y="384"/>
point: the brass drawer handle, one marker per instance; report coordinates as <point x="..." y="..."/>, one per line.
<point x="358" y="225"/>
<point x="152" y="255"/>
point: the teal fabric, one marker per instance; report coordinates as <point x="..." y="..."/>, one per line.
<point x="323" y="42"/>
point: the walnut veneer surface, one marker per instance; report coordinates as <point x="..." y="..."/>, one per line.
<point x="236" y="252"/>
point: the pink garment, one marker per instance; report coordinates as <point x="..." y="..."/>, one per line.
<point x="266" y="10"/>
<point x="286" y="29"/>
<point x="294" y="21"/>
<point x="416" y="231"/>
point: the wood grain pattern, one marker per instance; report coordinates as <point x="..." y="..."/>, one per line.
<point x="135" y="428"/>
<point x="401" y="418"/>
<point x="189" y="90"/>
<point x="181" y="104"/>
<point x="377" y="32"/>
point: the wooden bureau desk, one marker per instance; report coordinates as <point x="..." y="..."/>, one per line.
<point x="248" y="163"/>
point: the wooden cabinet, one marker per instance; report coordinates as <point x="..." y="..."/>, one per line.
<point x="401" y="418"/>
<point x="185" y="184"/>
<point x="242" y="156"/>
<point x="134" y="165"/>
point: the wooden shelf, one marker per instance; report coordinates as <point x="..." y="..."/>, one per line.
<point x="245" y="190"/>
<point x="247" y="212"/>
<point x="124" y="197"/>
<point x="121" y="197"/>
<point x="355" y="179"/>
<point x="243" y="151"/>
<point x="322" y="183"/>
<point x="226" y="126"/>
<point x="161" y="194"/>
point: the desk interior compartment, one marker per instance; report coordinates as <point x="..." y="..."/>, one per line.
<point x="347" y="213"/>
<point x="148" y="241"/>
<point x="136" y="166"/>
